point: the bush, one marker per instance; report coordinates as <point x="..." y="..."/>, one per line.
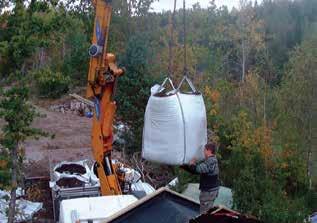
<point x="184" y="178"/>
<point x="268" y="183"/>
<point x="134" y="90"/>
<point x="51" y="84"/>
<point x="76" y="60"/>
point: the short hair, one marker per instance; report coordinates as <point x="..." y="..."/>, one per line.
<point x="211" y="146"/>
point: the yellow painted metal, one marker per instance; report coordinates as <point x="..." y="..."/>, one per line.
<point x="102" y="74"/>
<point x="97" y="64"/>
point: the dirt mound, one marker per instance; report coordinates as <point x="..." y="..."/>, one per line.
<point x="70" y="183"/>
<point x="72" y="107"/>
<point x="71" y="169"/>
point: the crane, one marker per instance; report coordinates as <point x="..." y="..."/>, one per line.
<point x="102" y="80"/>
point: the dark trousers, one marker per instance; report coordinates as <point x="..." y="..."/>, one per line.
<point x="207" y="199"/>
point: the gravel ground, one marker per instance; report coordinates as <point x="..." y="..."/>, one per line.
<point x="71" y="142"/>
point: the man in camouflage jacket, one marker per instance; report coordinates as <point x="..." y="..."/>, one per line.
<point x="209" y="181"/>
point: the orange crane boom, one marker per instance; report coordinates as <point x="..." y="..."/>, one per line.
<point x="102" y="78"/>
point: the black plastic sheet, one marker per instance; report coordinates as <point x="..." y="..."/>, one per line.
<point x="163" y="208"/>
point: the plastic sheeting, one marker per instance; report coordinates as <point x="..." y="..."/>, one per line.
<point x="224" y="197"/>
<point x="141" y="186"/>
<point x="130" y="175"/>
<point x="25" y="209"/>
<point x="175" y="128"/>
<point x="313" y="218"/>
<point x="97" y="209"/>
<point x="133" y="177"/>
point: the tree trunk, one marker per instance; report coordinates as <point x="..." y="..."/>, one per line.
<point x="42" y="58"/>
<point x="264" y="104"/>
<point x="243" y="60"/>
<point x="13" y="185"/>
<point x="310" y="152"/>
<point x="311" y="172"/>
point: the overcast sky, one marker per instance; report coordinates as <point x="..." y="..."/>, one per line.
<point x="169" y="4"/>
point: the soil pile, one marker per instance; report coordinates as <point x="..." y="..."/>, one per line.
<point x="71" y="169"/>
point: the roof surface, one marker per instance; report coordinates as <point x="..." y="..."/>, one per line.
<point x="163" y="206"/>
<point x="220" y="214"/>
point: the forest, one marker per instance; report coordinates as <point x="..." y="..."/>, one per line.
<point x="255" y="65"/>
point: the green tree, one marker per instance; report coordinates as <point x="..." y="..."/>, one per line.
<point x="134" y="89"/>
<point x="296" y="102"/>
<point x="272" y="182"/>
<point x="248" y="35"/>
<point x="18" y="115"/>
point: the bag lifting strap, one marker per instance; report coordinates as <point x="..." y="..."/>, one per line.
<point x="185" y="38"/>
<point x="185" y="74"/>
<point x="190" y="84"/>
<point x="171" y="43"/>
<point x="168" y="79"/>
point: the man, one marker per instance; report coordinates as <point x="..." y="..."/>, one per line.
<point x="209" y="182"/>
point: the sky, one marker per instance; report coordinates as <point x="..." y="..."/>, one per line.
<point x="169" y="4"/>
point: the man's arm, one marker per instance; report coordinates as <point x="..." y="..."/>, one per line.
<point x="189" y="168"/>
<point x="208" y="166"/>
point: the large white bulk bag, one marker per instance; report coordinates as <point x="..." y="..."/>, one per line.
<point x="175" y="128"/>
<point x="163" y="135"/>
<point x="194" y="113"/>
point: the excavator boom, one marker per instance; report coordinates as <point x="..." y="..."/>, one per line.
<point x="102" y="77"/>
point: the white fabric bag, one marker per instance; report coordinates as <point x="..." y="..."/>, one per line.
<point x="195" y="125"/>
<point x="194" y="113"/>
<point x="175" y="127"/>
<point x="162" y="139"/>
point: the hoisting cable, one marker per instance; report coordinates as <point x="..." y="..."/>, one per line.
<point x="171" y="43"/>
<point x="186" y="78"/>
<point x="185" y="39"/>
<point x="170" y="52"/>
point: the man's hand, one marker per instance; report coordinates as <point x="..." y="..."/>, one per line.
<point x="191" y="167"/>
<point x="193" y="161"/>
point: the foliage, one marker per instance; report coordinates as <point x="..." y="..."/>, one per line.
<point x="134" y="89"/>
<point x="25" y="40"/>
<point x="268" y="146"/>
<point x="184" y="178"/>
<point x="75" y="63"/>
<point x="221" y="44"/>
<point x="263" y="124"/>
<point x="272" y="182"/>
<point x="18" y="115"/>
<point x="17" y="123"/>
<point x="51" y="84"/>
<point x="4" y="168"/>
<point x="296" y="99"/>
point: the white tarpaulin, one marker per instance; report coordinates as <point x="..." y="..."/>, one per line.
<point x="97" y="209"/>
<point x="141" y="186"/>
<point x="175" y="128"/>
<point x="224" y="195"/>
<point x="24" y="209"/>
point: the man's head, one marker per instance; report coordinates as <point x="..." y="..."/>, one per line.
<point x="210" y="149"/>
